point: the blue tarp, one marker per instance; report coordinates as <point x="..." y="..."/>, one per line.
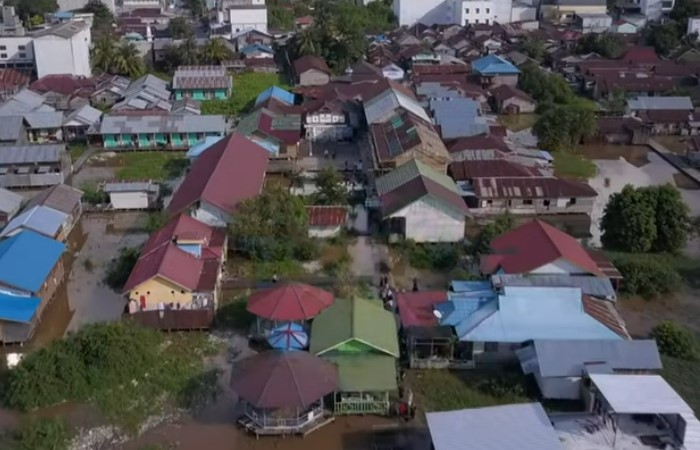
<point x="14" y="308"/>
<point x="288" y="336"/>
<point x="27" y="259"/>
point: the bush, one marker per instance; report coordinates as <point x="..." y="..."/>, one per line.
<point x="42" y="434"/>
<point x="503" y="387"/>
<point x="306" y="249"/>
<point x="234" y="315"/>
<point x="647" y="277"/>
<point x="674" y="340"/>
<point x="120" y="268"/>
<point x="431" y="256"/>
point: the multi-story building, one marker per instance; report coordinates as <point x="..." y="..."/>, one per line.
<point x="463" y="12"/>
<point x="63" y="49"/>
<point x="246" y="14"/>
<point x="73" y="5"/>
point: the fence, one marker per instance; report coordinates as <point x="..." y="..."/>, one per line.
<point x="174" y="319"/>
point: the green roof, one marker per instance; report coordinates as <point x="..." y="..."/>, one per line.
<point x="365" y="373"/>
<point x="409" y="171"/>
<point x="350" y="325"/>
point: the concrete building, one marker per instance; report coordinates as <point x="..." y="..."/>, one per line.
<point x="246" y="14"/>
<point x="566" y="10"/>
<point x="16" y="50"/>
<point x="63" y="49"/>
<point x="654" y="9"/>
<point x="72" y="5"/>
<point x="461" y="12"/>
<point x="136" y="4"/>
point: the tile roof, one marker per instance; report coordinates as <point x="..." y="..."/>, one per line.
<point x="327" y="216"/>
<point x="533" y="245"/>
<point x="416" y="308"/>
<point x="64" y="85"/>
<point x="310" y="62"/>
<point x="201" y="77"/>
<point x="162" y="256"/>
<point x="289" y="302"/>
<point x="534" y="187"/>
<point x="60" y="197"/>
<point x="231" y="171"/>
<point x="11" y="79"/>
<point x="496" y="168"/>
<point x="493" y="65"/>
<point x="519" y="426"/>
<point x="413" y="181"/>
<point x="27" y="259"/>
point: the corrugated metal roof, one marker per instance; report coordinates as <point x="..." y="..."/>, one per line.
<point x="380" y="107"/>
<point x="567" y="358"/>
<point x="660" y="103"/>
<point x="528" y="313"/>
<point x="11" y="128"/>
<point x="42" y="120"/>
<point x="622" y="393"/>
<point x="600" y="287"/>
<point x="60" y="197"/>
<point x="85" y="115"/>
<point x="9" y="201"/>
<point x="508" y="427"/>
<point x="27" y="259"/>
<point x="201" y="147"/>
<point x="24" y="154"/>
<point x="494" y="65"/>
<point x="277" y="93"/>
<point x="201" y="77"/>
<point x="163" y="124"/>
<point x="132" y="186"/>
<point x="409" y="171"/>
<point x="458" y="117"/>
<point x="41" y="219"/>
<point x="14" y="308"/>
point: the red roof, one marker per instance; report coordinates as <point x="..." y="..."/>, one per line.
<point x="479" y="142"/>
<point x="442" y="69"/>
<point x="310" y="62"/>
<point x="161" y="256"/>
<point x="416" y="308"/>
<point x="289" y="302"/>
<point x="287" y="136"/>
<point x="467" y="170"/>
<point x="12" y="79"/>
<point x="327" y="216"/>
<point x="63" y="84"/>
<point x="533" y="245"/>
<point x="276" y="379"/>
<point x="640" y="55"/>
<point x="604" y="312"/>
<point x="231" y="171"/>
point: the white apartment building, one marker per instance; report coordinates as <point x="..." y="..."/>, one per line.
<point x="63" y="49"/>
<point x="654" y="9"/>
<point x="246" y="14"/>
<point x="16" y="52"/>
<point x="462" y="12"/>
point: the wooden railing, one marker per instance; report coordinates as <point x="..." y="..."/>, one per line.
<point x="174" y="319"/>
<point x="379" y="407"/>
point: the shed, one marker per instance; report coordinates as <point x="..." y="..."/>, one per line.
<point x="133" y="195"/>
<point x="311" y="70"/>
<point x="326" y="221"/>
<point x="520" y="426"/>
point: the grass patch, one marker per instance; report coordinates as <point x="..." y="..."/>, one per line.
<point x="573" y="165"/>
<point x="675" y="144"/>
<point x="439" y="257"/>
<point x="233" y="314"/>
<point x="76" y="150"/>
<point x="682" y="375"/>
<point x="265" y="270"/>
<point x="156" y="166"/>
<point x="444" y="390"/>
<point x="687" y="268"/>
<point x="518" y="122"/>
<point x="246" y="88"/>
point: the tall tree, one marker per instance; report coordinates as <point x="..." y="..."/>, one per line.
<point x="103" y="53"/>
<point x="563" y="127"/>
<point x="188" y="52"/>
<point x="331" y="189"/>
<point x="127" y="61"/>
<point x="629" y="222"/>
<point x="534" y="47"/>
<point x="215" y="52"/>
<point x="481" y="245"/>
<point x="30" y="8"/>
<point x="179" y="27"/>
<point x="673" y="221"/>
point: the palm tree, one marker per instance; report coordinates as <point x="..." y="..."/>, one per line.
<point x="103" y="53"/>
<point x="127" y="61"/>
<point x="306" y="43"/>
<point x="188" y="52"/>
<point x="216" y="51"/>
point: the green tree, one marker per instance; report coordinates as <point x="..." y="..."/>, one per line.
<point x="179" y="27"/>
<point x="270" y="226"/>
<point x="563" y="127"/>
<point x="127" y="61"/>
<point x="534" y="48"/>
<point x="647" y="277"/>
<point x="196" y="7"/>
<point x="42" y="434"/>
<point x="306" y="42"/>
<point x="674" y="340"/>
<point x="617" y="102"/>
<point x="331" y="188"/>
<point x="673" y="221"/>
<point x="103" y="54"/>
<point x="120" y="267"/>
<point x="30" y="8"/>
<point x="103" y="16"/>
<point x="546" y="88"/>
<point x="682" y="11"/>
<point x="629" y="222"/>
<point x="280" y="18"/>
<point x="188" y="53"/>
<point x="216" y="51"/>
<point x="607" y="45"/>
<point x="481" y="245"/>
<point x="665" y="38"/>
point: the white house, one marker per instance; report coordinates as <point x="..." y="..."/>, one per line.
<point x="421" y="204"/>
<point x="133" y="195"/>
<point x="460" y="12"/>
<point x="559" y="366"/>
<point x="326" y="221"/>
<point x="63" y="49"/>
<point x="330" y="122"/>
<point x="694" y="25"/>
<point x="246" y="14"/>
<point x="654" y="9"/>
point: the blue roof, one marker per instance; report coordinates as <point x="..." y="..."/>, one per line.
<point x="525" y="313"/>
<point x="41" y="219"/>
<point x="63" y="14"/>
<point x="275" y="92"/>
<point x="494" y="65"/>
<point x="458" y="117"/>
<point x="14" y="308"/>
<point x="470" y="286"/>
<point x="26" y="260"/>
<point x="199" y="148"/>
<point x="251" y="48"/>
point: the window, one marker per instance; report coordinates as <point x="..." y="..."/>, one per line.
<point x="466" y="11"/>
<point x="546" y="202"/>
<point x="3" y="47"/>
<point x="476" y="20"/>
<point x="466" y="21"/>
<point x="527" y="202"/>
<point x="488" y="10"/>
<point x="572" y="201"/>
<point x="22" y="55"/>
<point x="3" y="55"/>
<point x="21" y="47"/>
<point x="477" y="10"/>
<point x="487" y="21"/>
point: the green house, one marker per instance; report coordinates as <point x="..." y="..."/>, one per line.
<point x="201" y="83"/>
<point x="361" y="338"/>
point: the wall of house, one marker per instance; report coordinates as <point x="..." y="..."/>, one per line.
<point x="564" y="388"/>
<point x="536" y="206"/>
<point x="16" y="51"/>
<point x="313" y="77"/>
<point x="158" y="290"/>
<point x="523" y="105"/>
<point x="497" y="80"/>
<point x="51" y="284"/>
<point x="523" y="13"/>
<point x="56" y="55"/>
<point x="211" y="215"/>
<point x="428" y="12"/>
<point x="129" y="200"/>
<point x="560" y="266"/>
<point x="426" y="223"/>
<point x="244" y="19"/>
<point x="476" y="12"/>
<point x="324" y="232"/>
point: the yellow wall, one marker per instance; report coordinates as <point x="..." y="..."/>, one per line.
<point x="160" y="291"/>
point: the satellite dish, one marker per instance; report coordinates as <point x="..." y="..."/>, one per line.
<point x="437" y="314"/>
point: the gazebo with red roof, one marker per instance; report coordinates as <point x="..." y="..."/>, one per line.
<point x="283" y="391"/>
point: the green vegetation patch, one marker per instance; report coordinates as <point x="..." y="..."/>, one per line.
<point x="573" y="165"/>
<point x="76" y="150"/>
<point x="246" y="88"/>
<point x="156" y="166"/>
<point x="518" y="122"/>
